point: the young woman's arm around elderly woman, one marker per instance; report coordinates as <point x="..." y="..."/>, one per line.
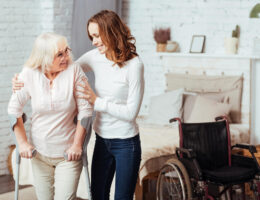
<point x="119" y="84"/>
<point x="50" y="78"/>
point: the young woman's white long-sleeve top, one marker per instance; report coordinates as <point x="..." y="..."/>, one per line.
<point x="120" y="93"/>
<point x="53" y="108"/>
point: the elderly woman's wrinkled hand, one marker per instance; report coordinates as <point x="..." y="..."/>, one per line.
<point x="74" y="153"/>
<point x="16" y="84"/>
<point x="86" y="92"/>
<point x="25" y="150"/>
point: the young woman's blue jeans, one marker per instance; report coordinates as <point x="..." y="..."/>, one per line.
<point x="120" y="156"/>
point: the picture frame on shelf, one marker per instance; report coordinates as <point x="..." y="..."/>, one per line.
<point x="197" y="44"/>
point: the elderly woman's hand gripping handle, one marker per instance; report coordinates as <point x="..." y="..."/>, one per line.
<point x="75" y="151"/>
<point x="26" y="150"/>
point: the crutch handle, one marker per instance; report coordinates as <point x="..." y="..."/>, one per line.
<point x="34" y="152"/>
<point x="18" y="157"/>
<point x="65" y="155"/>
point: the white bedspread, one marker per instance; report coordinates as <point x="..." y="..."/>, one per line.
<point x="158" y="145"/>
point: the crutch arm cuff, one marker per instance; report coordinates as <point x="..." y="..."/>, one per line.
<point x="13" y="120"/>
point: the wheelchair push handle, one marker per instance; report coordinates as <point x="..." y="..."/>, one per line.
<point x="175" y="119"/>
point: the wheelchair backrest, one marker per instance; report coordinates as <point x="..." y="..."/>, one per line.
<point x="209" y="141"/>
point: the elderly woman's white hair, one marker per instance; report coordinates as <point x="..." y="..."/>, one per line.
<point x="44" y="50"/>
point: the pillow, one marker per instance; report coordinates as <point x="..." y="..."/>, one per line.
<point x="206" y="110"/>
<point x="190" y="98"/>
<point x="216" y="87"/>
<point x="165" y="106"/>
<point x="188" y="104"/>
<point x="235" y="98"/>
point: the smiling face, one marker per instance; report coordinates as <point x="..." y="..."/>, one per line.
<point x="61" y="58"/>
<point x="96" y="39"/>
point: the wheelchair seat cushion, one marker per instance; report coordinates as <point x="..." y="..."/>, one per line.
<point x="227" y="174"/>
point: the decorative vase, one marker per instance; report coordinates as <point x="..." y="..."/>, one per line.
<point x="161" y="47"/>
<point x="231" y="45"/>
<point x="171" y="46"/>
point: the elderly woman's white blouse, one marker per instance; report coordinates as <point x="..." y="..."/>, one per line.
<point x="53" y="108"/>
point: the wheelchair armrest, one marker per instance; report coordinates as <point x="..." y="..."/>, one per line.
<point x="189" y="152"/>
<point x="190" y="162"/>
<point x="251" y="149"/>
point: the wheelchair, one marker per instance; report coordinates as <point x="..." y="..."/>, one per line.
<point x="204" y="167"/>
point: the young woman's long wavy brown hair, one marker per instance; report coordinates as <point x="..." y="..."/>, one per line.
<point x="115" y="35"/>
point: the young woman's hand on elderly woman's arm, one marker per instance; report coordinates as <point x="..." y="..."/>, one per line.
<point x="87" y="92"/>
<point x="16" y="84"/>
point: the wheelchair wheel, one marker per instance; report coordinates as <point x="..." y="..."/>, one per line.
<point x="173" y="182"/>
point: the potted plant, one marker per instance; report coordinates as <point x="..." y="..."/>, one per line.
<point x="161" y="36"/>
<point x="231" y="44"/>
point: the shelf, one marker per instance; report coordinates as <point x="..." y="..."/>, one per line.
<point x="203" y="55"/>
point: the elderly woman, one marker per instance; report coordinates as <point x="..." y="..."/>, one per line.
<point x="50" y="78"/>
<point x="119" y="84"/>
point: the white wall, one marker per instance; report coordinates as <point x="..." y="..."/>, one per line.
<point x="214" y="18"/>
<point x="20" y="22"/>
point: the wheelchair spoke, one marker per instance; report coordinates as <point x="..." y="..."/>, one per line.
<point x="171" y="184"/>
<point x="174" y="188"/>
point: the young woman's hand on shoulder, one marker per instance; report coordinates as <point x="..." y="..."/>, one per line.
<point x="16" y="84"/>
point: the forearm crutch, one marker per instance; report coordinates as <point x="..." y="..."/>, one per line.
<point x="87" y="124"/>
<point x="13" y="122"/>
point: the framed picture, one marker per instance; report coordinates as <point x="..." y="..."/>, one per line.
<point x="197" y="44"/>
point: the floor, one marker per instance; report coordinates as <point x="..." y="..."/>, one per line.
<point x="7" y="185"/>
<point x="27" y="193"/>
<point x="7" y="189"/>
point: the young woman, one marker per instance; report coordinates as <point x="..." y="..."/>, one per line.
<point x="50" y="78"/>
<point x="119" y="84"/>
